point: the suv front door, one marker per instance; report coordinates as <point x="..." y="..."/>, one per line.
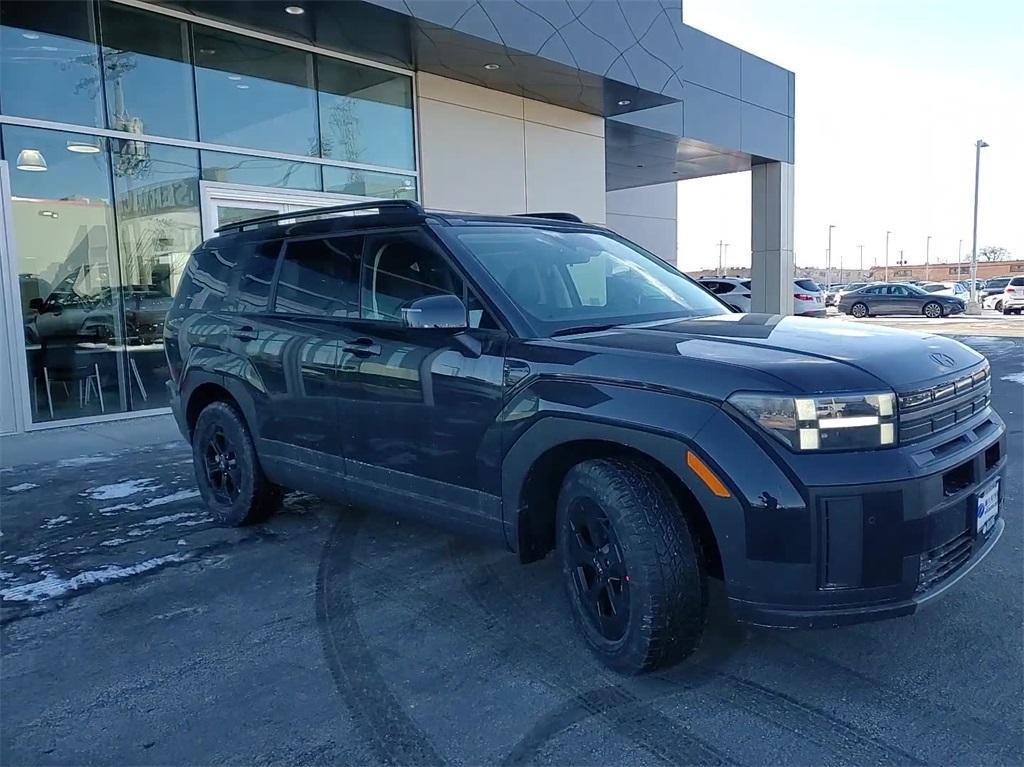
<point x="419" y="428"/>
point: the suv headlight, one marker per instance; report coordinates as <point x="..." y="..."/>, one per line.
<point x="823" y="422"/>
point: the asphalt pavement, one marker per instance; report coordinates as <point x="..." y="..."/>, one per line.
<point x="136" y="632"/>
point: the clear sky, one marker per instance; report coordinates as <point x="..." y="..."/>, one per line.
<point x="890" y="98"/>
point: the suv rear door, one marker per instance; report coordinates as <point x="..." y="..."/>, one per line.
<point x="419" y="427"/>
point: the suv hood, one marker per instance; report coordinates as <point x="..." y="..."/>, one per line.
<point x="808" y="354"/>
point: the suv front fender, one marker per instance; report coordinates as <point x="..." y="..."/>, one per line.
<point x="664" y="427"/>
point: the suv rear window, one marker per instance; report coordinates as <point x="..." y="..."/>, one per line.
<point x="1017" y="281"/>
<point x="810" y="285"/>
<point x="204" y="285"/>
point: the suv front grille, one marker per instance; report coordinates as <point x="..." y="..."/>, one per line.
<point x="942" y="561"/>
<point x="930" y="411"/>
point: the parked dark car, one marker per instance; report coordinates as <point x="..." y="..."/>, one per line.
<point x="993" y="286"/>
<point x="545" y="385"/>
<point x="899" y="298"/>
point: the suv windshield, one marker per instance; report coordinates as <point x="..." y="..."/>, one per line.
<point x="563" y="279"/>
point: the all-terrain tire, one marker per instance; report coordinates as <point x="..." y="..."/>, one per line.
<point x="249" y="497"/>
<point x="665" y="576"/>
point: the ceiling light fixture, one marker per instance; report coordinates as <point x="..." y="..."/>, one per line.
<point x="83" y="146"/>
<point x="207" y="51"/>
<point x="294" y="10"/>
<point x="624" y="102"/>
<point x="492" y="67"/>
<point x="31" y="160"/>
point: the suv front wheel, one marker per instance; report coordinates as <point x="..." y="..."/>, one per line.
<point x="228" y="471"/>
<point x="635" y="582"/>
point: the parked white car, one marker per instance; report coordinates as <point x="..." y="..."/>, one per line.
<point x="733" y="290"/>
<point x="947" y="288"/>
<point x="844" y="289"/>
<point x="808" y="298"/>
<point x="1013" y="297"/>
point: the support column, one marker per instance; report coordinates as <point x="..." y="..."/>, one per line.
<point x="647" y="215"/>
<point x="771" y="238"/>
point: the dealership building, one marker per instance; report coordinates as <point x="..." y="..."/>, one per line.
<point x="131" y="130"/>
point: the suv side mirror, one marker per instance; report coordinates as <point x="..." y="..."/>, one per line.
<point x="445" y="311"/>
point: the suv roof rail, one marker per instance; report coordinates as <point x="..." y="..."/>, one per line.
<point x="554" y="216"/>
<point x="381" y="205"/>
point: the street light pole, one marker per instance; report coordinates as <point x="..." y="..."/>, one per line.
<point x="927" y="254"/>
<point x="959" y="259"/>
<point x="887" y="255"/>
<point x="973" y="307"/>
<point x="861" y="261"/>
<point x="720" y="243"/>
<point x="828" y="256"/>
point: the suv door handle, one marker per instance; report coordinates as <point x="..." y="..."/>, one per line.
<point x="362" y="347"/>
<point x="245" y="333"/>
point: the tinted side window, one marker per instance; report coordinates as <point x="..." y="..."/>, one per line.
<point x="320" y="277"/>
<point x="399" y="268"/>
<point x="250" y="288"/>
<point x="1017" y="281"/>
<point x="204" y="285"/>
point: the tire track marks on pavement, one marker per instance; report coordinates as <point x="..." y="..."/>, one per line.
<point x="379" y="716"/>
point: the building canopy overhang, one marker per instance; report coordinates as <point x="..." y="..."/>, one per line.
<point x="678" y="103"/>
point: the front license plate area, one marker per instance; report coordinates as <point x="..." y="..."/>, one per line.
<point x="987" y="508"/>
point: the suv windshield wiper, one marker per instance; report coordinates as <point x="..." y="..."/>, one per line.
<point x="582" y="329"/>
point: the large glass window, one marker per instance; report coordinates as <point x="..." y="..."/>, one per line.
<point x="49" y="62"/>
<point x="255" y="94"/>
<point x="320" y="277"/>
<point x="147" y="73"/>
<point x="260" y="171"/>
<point x="365" y="183"/>
<point x="156" y="193"/>
<point x="67" y="266"/>
<point x="365" y="114"/>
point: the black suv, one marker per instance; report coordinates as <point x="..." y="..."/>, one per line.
<point x="546" y="385"/>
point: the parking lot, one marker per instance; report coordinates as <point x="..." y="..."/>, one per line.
<point x="136" y="632"/>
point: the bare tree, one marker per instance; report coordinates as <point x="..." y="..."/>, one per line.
<point x="993" y="253"/>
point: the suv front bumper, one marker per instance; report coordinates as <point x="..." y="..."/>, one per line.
<point x="844" y="550"/>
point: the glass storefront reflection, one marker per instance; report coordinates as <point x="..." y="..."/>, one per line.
<point x="156" y="194"/>
<point x="67" y="265"/>
<point x="366" y="183"/>
<point x="147" y="73"/>
<point x="255" y="94"/>
<point x="49" y="62"/>
<point x="260" y="171"/>
<point x="365" y="114"/>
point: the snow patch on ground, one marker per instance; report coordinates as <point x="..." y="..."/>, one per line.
<point x="110" y="510"/>
<point x="53" y="586"/>
<point x="114" y="542"/>
<point x="22" y="487"/>
<point x="29" y="559"/>
<point x="85" y="460"/>
<point x="120" y="489"/>
<point x="1014" y="378"/>
<point x="166" y="519"/>
<point x="181" y="495"/>
<point x="53" y="522"/>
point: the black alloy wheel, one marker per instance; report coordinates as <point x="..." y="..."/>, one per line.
<point x="221" y="464"/>
<point x="228" y="471"/>
<point x="598" y="570"/>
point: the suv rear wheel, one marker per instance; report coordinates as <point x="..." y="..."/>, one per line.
<point x="227" y="470"/>
<point x="635" y="581"/>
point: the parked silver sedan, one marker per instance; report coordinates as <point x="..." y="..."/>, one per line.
<point x="898" y="298"/>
